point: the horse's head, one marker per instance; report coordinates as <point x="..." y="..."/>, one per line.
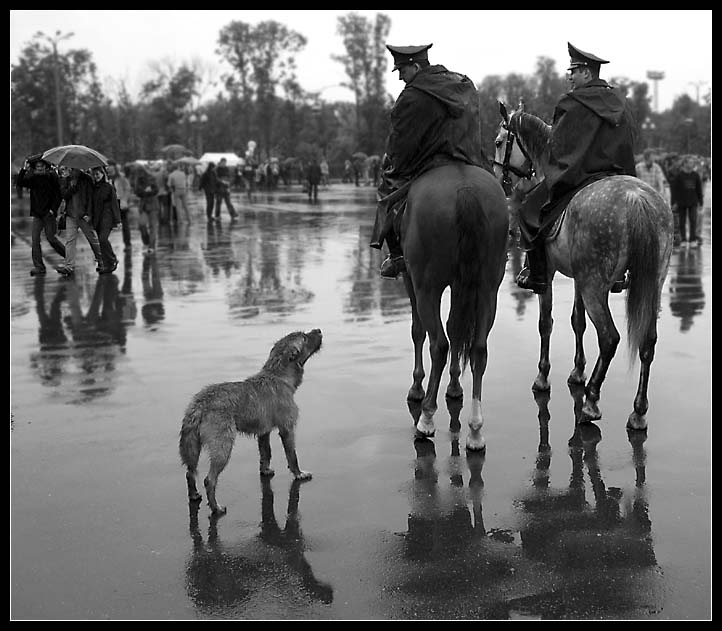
<point x="511" y="162"/>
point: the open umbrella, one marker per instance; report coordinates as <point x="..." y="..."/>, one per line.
<point x="188" y="160"/>
<point x="359" y="156"/>
<point x="171" y="152"/>
<point x="76" y="156"/>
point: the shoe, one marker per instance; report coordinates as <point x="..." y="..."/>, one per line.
<point x="620" y="285"/>
<point x="392" y="267"/>
<point x="38" y="271"/>
<point x="376" y="245"/>
<point x="525" y="281"/>
<point x="64" y="271"/>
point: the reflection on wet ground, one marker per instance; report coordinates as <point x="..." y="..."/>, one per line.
<point x="552" y="522"/>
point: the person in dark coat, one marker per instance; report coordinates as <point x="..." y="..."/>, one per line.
<point x="45" y="199"/>
<point x="435" y="121"/>
<point x="593" y="135"/>
<point x="207" y="184"/>
<point x="106" y="215"/>
<point x="687" y="197"/>
<point x="313" y="177"/>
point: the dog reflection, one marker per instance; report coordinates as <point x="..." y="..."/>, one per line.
<point x="220" y="575"/>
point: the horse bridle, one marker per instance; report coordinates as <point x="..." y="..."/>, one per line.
<point x="526" y="172"/>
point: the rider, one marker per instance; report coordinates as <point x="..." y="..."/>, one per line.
<point x="592" y="137"/>
<point x="435" y="121"/>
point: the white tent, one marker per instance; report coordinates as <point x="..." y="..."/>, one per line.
<point x="231" y="158"/>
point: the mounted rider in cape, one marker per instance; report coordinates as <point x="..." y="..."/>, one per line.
<point x="435" y="121"/>
<point x="592" y="137"/>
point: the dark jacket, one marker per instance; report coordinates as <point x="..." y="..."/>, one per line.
<point x="313" y="173"/>
<point x="145" y="187"/>
<point x="593" y="133"/>
<point x="686" y="189"/>
<point x="105" y="202"/>
<point x="44" y="191"/>
<point x="223" y="179"/>
<point x="435" y="120"/>
<point x="78" y="195"/>
<point x="207" y="181"/>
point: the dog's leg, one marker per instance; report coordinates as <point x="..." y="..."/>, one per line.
<point x="193" y="494"/>
<point x="289" y="445"/>
<point x="219" y="460"/>
<point x="264" y="448"/>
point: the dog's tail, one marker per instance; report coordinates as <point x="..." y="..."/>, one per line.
<point x="189" y="445"/>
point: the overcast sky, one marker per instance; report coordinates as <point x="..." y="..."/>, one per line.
<point x="476" y="43"/>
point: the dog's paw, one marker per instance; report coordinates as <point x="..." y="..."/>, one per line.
<point x="303" y="475"/>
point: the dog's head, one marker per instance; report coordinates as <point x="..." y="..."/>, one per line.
<point x="290" y="353"/>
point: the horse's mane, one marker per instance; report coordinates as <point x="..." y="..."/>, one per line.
<point x="534" y="135"/>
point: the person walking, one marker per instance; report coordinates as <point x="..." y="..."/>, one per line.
<point x="145" y="187"/>
<point x="687" y="198"/>
<point x="223" y="189"/>
<point x="178" y="184"/>
<point x="208" y="184"/>
<point x="123" y="191"/>
<point x="650" y="172"/>
<point x="39" y="177"/>
<point x="325" y="180"/>
<point x="76" y="188"/>
<point x="313" y="178"/>
<point x="105" y="215"/>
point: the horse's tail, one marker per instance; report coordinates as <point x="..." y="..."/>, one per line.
<point x="644" y="293"/>
<point x="471" y="224"/>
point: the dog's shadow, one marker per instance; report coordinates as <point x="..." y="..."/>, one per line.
<point x="219" y="575"/>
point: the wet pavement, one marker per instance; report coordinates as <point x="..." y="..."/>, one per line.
<point x="550" y="523"/>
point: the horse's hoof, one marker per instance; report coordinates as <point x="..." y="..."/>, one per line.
<point x="590" y="412"/>
<point x="475" y="444"/>
<point x="636" y="421"/>
<point x="425" y="426"/>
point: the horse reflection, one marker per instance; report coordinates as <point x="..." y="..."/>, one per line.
<point x="270" y="566"/>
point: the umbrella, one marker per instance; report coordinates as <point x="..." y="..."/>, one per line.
<point x="188" y="160"/>
<point x="76" y="156"/>
<point x="360" y="156"/>
<point x="175" y="151"/>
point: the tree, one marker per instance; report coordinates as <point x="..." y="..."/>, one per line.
<point x="366" y="63"/>
<point x="263" y="60"/>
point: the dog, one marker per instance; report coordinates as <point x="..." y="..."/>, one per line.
<point x="253" y="407"/>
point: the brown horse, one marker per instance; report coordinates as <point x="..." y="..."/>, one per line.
<point x="453" y="234"/>
<point x="615" y="224"/>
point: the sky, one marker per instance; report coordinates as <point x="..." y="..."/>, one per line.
<point x="125" y="43"/>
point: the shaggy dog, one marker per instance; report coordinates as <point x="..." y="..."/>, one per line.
<point x="256" y="406"/>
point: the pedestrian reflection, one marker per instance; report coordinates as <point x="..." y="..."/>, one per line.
<point x="126" y="300"/>
<point x="522" y="296"/>
<point x="270" y="565"/>
<point x="152" y="310"/>
<point x="686" y="295"/>
<point x="52" y="354"/>
<point x="218" y="253"/>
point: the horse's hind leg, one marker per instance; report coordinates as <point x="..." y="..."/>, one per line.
<point x="418" y="335"/>
<point x="637" y="418"/>
<point x="596" y="303"/>
<point x="454" y="390"/>
<point x="579" y="324"/>
<point x="428" y="306"/>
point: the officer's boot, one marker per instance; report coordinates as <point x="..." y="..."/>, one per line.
<point x="382" y="225"/>
<point x="394" y="263"/>
<point x="534" y="274"/>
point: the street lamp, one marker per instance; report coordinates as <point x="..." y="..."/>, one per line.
<point x="656" y="76"/>
<point x="56" y="77"/>
<point x="198" y="121"/>
<point x="648" y="127"/>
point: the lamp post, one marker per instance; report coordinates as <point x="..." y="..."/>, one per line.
<point x="648" y="127"/>
<point x="198" y="121"/>
<point x="56" y="78"/>
<point x="656" y="76"/>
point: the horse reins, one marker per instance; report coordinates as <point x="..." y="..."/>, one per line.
<point x="526" y="172"/>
